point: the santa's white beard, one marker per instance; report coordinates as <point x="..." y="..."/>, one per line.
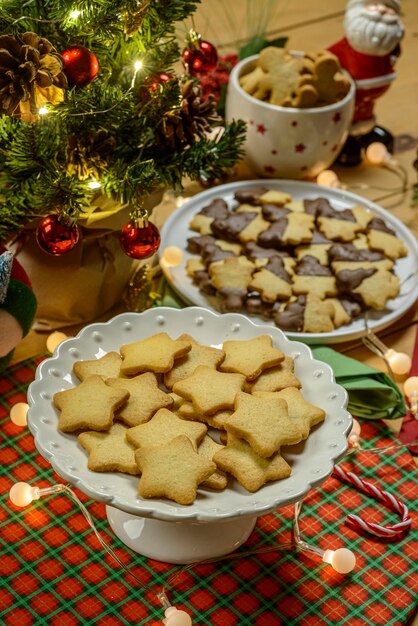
<point x="370" y="33"/>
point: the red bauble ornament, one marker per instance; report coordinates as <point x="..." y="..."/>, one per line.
<point x="156" y="81"/>
<point x="200" y="57"/>
<point x="80" y="66"/>
<point x="140" y="242"/>
<point x="56" y="237"/>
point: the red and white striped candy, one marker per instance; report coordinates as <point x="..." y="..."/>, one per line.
<point x="392" y="532"/>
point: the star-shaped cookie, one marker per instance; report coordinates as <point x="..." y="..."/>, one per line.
<point x="144" y="400"/>
<point x="250" y="469"/>
<point x="172" y="470"/>
<point x="209" y="390"/>
<point x="276" y="378"/>
<point x="109" y="451"/>
<point x="263" y="422"/>
<point x="299" y="408"/>
<point x="107" y="366"/>
<point x="207" y="449"/>
<point x="163" y="427"/>
<point x="186" y="365"/>
<point x="155" y="354"/>
<point x="90" y="406"/>
<point x="250" y="357"/>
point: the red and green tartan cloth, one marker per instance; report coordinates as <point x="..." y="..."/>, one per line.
<point x="54" y="572"/>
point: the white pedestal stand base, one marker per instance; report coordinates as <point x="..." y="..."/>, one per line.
<point x="179" y="542"/>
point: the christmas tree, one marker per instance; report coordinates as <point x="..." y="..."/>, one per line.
<point x="91" y="103"/>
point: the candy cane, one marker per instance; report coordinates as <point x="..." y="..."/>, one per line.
<point x="393" y="532"/>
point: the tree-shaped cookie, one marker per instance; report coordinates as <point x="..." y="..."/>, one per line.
<point x="109" y="451"/>
<point x="90" y="406"/>
<point x="172" y="470"/>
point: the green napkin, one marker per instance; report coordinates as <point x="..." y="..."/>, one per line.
<point x="372" y="394"/>
<point x="167" y="296"/>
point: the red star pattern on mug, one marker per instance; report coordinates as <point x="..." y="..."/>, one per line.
<point x="337" y="118"/>
<point x="261" y="129"/>
<point x="269" y="169"/>
<point x="300" y="147"/>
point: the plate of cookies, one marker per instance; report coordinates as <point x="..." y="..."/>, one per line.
<point x="154" y="414"/>
<point x="313" y="261"/>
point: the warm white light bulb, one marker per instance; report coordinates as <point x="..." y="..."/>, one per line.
<point x="75" y="14"/>
<point x="22" y="494"/>
<point x="400" y="363"/>
<point x="43" y="111"/>
<point x="172" y="256"/>
<point x="377" y="153"/>
<point x="411" y="387"/>
<point x="137" y="65"/>
<point x="342" y="560"/>
<point x="354" y="436"/>
<point x="54" y="340"/>
<point x="327" y="178"/>
<point x="174" y="617"/>
<point x="18" y="413"/>
<point x="94" y="184"/>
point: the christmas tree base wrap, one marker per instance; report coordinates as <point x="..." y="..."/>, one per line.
<point x="83" y="284"/>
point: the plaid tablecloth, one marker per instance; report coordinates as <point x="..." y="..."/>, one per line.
<point x="53" y="570"/>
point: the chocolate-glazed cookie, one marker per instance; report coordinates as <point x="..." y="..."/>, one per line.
<point x="250" y="195"/>
<point x="195" y="244"/>
<point x="230" y="227"/>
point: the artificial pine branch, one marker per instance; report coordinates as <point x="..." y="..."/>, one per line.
<point x="113" y="128"/>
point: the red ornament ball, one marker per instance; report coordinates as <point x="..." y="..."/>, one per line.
<point x="140" y="243"/>
<point x="201" y="59"/>
<point x="159" y="80"/>
<point x="80" y="66"/>
<point x="55" y="237"/>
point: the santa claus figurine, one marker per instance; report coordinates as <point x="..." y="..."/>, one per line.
<point x="368" y="51"/>
<point x="17" y="305"/>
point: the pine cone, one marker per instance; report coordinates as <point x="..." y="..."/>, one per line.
<point x="87" y="156"/>
<point x="192" y="120"/>
<point x="132" y="20"/>
<point x="30" y="75"/>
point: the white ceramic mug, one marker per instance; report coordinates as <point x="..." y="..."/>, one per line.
<point x="287" y="142"/>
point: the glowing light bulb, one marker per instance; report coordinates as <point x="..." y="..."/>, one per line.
<point x="18" y="413"/>
<point x="75" y="14"/>
<point x="174" y="617"/>
<point x="327" y="178"/>
<point x="342" y="560"/>
<point x="22" y="494"/>
<point x="354" y="436"/>
<point x="378" y="154"/>
<point x="172" y="256"/>
<point x="400" y="363"/>
<point x="54" y="340"/>
<point x="94" y="184"/>
<point x="411" y="391"/>
<point x="43" y="111"/>
<point x="137" y="65"/>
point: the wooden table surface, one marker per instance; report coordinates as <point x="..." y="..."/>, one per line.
<point x="314" y="26"/>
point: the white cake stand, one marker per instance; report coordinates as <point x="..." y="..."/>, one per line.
<point x="217" y="522"/>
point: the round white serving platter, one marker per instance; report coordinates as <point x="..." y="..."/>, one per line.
<point x="176" y="231"/>
<point x="217" y="522"/>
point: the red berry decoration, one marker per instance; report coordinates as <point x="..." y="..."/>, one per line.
<point x="140" y="242"/>
<point x="80" y="66"/>
<point x="56" y="237"/>
<point x="200" y="57"/>
<point x="159" y="80"/>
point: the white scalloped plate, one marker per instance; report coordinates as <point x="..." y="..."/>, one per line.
<point x="176" y="231"/>
<point x="311" y="461"/>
